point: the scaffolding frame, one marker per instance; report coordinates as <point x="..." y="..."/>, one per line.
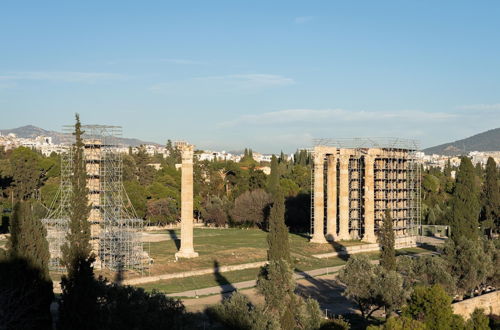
<point x="397" y="183"/>
<point x="115" y="228"/>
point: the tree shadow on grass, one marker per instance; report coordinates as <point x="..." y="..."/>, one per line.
<point x="340" y="249"/>
<point x="173" y="237"/>
<point x="223" y="282"/>
<point x="328" y="293"/>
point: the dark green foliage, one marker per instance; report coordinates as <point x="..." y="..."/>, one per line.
<point x="478" y="320"/>
<point x="25" y="172"/>
<point x="277" y="238"/>
<point x="386" y="240"/>
<point x="464" y="205"/>
<point x="78" y="238"/>
<point x="78" y="308"/>
<point x="371" y="287"/>
<point x="273" y="185"/>
<point x="432" y="306"/>
<point x="236" y="312"/>
<point x="25" y="296"/>
<point x="144" y="172"/>
<point x="399" y="323"/>
<point x="28" y="238"/>
<point x="127" y="307"/>
<point x="335" y="324"/>
<point x="79" y="289"/>
<point x="214" y="212"/>
<point x="426" y="270"/>
<point x="256" y="179"/>
<point x="470" y="262"/>
<point x="276" y="281"/>
<point x="490" y="213"/>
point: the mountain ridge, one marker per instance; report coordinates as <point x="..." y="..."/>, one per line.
<point x="31" y="131"/>
<point x="484" y="141"/>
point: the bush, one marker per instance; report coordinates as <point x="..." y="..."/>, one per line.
<point x="251" y="208"/>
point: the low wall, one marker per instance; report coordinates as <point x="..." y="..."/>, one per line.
<point x="400" y="243"/>
<point x="490" y="302"/>
<point x="149" y="279"/>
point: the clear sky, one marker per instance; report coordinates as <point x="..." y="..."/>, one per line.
<point x="270" y="75"/>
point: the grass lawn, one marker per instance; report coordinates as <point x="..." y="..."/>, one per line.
<point x="230" y="247"/>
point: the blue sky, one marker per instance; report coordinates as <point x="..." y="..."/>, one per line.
<point x="270" y="75"/>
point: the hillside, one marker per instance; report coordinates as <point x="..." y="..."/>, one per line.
<point x="31" y="131"/>
<point x="486" y="141"/>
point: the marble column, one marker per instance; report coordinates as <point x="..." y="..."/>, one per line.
<point x="331" y="198"/>
<point x="319" y="197"/>
<point x="369" y="200"/>
<point x="344" y="198"/>
<point x="186" y="250"/>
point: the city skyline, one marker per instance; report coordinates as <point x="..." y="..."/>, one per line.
<point x="272" y="77"/>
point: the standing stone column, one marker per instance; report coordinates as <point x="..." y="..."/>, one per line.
<point x="369" y="215"/>
<point x="186" y="250"/>
<point x="331" y="198"/>
<point x="344" y="198"/>
<point x="319" y="196"/>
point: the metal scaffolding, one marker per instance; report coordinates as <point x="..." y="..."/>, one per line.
<point x="397" y="183"/>
<point x="115" y="228"/>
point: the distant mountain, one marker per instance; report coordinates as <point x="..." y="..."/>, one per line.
<point x="31" y="131"/>
<point x="486" y="141"/>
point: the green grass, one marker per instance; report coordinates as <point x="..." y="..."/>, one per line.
<point x="203" y="281"/>
<point x="231" y="247"/>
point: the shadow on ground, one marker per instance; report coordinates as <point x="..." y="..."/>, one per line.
<point x="223" y="282"/>
<point x="173" y="237"/>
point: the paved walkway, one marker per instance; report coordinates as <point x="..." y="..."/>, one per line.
<point x="226" y="288"/>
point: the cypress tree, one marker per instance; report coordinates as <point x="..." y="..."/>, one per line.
<point x="276" y="281"/>
<point x="490" y="213"/>
<point x="78" y="308"/>
<point x="28" y="238"/>
<point x="26" y="286"/>
<point x="274" y="177"/>
<point x="277" y="238"/>
<point x="386" y="240"/>
<point x="464" y="205"/>
<point x="78" y="238"/>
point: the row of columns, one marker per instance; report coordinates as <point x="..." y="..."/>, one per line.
<point x="332" y="232"/>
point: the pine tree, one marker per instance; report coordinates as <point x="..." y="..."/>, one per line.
<point x="78" y="308"/>
<point x="274" y="177"/>
<point x="387" y="240"/>
<point x="464" y="205"/>
<point x="490" y="214"/>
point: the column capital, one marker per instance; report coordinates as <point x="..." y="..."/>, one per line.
<point x="318" y="158"/>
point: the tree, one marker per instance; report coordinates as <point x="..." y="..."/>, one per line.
<point x="25" y="296"/>
<point x="78" y="308"/>
<point x="386" y="240"/>
<point x="273" y="184"/>
<point x="469" y="263"/>
<point x="399" y="323"/>
<point x="250" y="208"/>
<point x="490" y="213"/>
<point x="276" y="281"/>
<point x="464" y="205"/>
<point x="478" y="320"/>
<point x="236" y="312"/>
<point x="426" y="270"/>
<point x="432" y="306"/>
<point x="25" y="173"/>
<point x="371" y="287"/>
<point x="277" y="238"/>
<point x="214" y="212"/>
